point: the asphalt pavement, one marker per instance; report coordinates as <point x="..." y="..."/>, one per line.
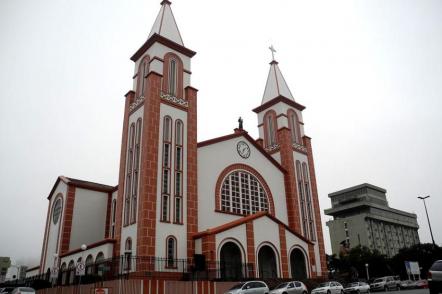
<point x="410" y="291"/>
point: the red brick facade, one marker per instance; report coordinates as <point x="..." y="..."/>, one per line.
<point x="283" y="250"/>
<point x="67" y="220"/>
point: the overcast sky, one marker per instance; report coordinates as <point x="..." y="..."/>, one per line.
<point x="369" y="73"/>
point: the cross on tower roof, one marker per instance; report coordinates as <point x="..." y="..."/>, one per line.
<point x="273" y="52"/>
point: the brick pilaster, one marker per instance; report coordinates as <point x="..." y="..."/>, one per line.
<point x="67" y="220"/>
<point x="208" y="247"/>
<point x="288" y="163"/>
<point x="250" y="235"/>
<point x="192" y="170"/>
<point x="120" y="194"/>
<point x="146" y="228"/>
<point x="317" y="213"/>
<point x="283" y="250"/>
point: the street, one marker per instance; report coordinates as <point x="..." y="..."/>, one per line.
<point x="411" y="291"/>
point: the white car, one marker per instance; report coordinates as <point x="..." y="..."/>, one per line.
<point x="328" y="288"/>
<point x="357" y="287"/>
<point x="293" y="287"/>
<point x="23" y="290"/>
<point x="251" y="287"/>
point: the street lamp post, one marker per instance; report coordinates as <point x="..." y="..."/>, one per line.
<point x="366" y="270"/>
<point x="428" y="219"/>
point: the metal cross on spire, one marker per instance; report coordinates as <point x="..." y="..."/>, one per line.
<point x="273" y="52"/>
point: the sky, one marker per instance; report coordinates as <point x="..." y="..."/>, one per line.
<point x="369" y="73"/>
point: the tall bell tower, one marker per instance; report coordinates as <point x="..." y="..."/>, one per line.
<point x="281" y="134"/>
<point x="157" y="192"/>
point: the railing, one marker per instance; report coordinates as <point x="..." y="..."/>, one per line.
<point x="144" y="267"/>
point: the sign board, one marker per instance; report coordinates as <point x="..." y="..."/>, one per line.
<point x="101" y="291"/>
<point x="54" y="272"/>
<point x="412" y="267"/>
<point x="80" y="269"/>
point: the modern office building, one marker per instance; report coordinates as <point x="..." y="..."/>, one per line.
<point x="361" y="216"/>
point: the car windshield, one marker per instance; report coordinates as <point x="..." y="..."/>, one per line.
<point x="378" y="280"/>
<point x="237" y="286"/>
<point x="352" y="285"/>
<point x="437" y="266"/>
<point x="323" y="285"/>
<point x="283" y="285"/>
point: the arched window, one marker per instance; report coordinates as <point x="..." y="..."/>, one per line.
<point x="270" y="127"/>
<point x="173" y="75"/>
<point x="301" y="199"/>
<point x="143" y="70"/>
<point x="242" y="193"/>
<point x="136" y="172"/>
<point x="89" y="264"/>
<point x="113" y="217"/>
<point x="294" y="126"/>
<point x="130" y="154"/>
<point x="308" y="198"/>
<point x="99" y="263"/>
<point x="64" y="273"/>
<point x="128" y="254"/>
<point x="71" y="268"/>
<point x="167" y="142"/>
<point x="171" y="251"/>
<point x="178" y="199"/>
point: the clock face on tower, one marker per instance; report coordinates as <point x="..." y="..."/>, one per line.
<point x="243" y="149"/>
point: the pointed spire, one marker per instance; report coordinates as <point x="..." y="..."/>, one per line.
<point x="275" y="85"/>
<point x="165" y="24"/>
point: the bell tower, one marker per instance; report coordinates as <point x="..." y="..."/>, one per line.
<point x="281" y="134"/>
<point x="157" y="192"/>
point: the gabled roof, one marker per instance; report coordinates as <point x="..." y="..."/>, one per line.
<point x="165" y="24"/>
<point x="243" y="220"/>
<point x="242" y="133"/>
<point x="82" y="184"/>
<point x="276" y="85"/>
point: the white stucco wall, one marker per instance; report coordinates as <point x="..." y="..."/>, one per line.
<point x="236" y="235"/>
<point x="106" y="249"/>
<point x="89" y="217"/>
<point x="54" y="231"/>
<point x="213" y="159"/>
<point x="163" y="229"/>
<point x="267" y="231"/>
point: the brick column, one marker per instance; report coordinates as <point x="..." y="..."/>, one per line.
<point x="250" y="235"/>
<point x="288" y="163"/>
<point x="146" y="228"/>
<point x="192" y="170"/>
<point x="317" y="212"/>
<point x="120" y="194"/>
<point x="283" y="250"/>
<point x="67" y="220"/>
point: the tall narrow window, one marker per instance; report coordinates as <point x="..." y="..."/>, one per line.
<point x="129" y="168"/>
<point x="171" y="251"/>
<point x="270" y="129"/>
<point x="172" y="77"/>
<point x="128" y="254"/>
<point x="301" y="199"/>
<point x="144" y="70"/>
<point x="178" y="199"/>
<point x="113" y="217"/>
<point x="308" y="198"/>
<point x="294" y="126"/>
<point x="167" y="142"/>
<point x="136" y="168"/>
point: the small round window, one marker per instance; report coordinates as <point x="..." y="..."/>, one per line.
<point x="56" y="211"/>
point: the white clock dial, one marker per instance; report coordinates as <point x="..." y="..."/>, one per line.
<point x="243" y="149"/>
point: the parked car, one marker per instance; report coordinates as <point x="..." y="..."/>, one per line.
<point x="435" y="277"/>
<point x="408" y="284"/>
<point x="328" y="288"/>
<point x="6" y="290"/>
<point x="357" y="287"/>
<point x="293" y="287"/>
<point x="421" y="284"/>
<point x="23" y="290"/>
<point x="384" y="284"/>
<point x="250" y="287"/>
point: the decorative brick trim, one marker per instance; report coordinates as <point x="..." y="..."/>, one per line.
<point x="271" y="113"/>
<point x="250" y="236"/>
<point x="291" y="192"/>
<point x="122" y="176"/>
<point x="283" y="250"/>
<point x="249" y="169"/>
<point x="311" y="260"/>
<point x="148" y="192"/>
<point x="296" y="126"/>
<point x="140" y="75"/>
<point x="67" y="220"/>
<point x="317" y="209"/>
<point x="208" y="247"/>
<point x="179" y="83"/>
<point x="175" y="249"/>
<point x="234" y="241"/>
<point x="192" y="170"/>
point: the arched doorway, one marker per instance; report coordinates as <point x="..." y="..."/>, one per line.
<point x="230" y="262"/>
<point x="298" y="264"/>
<point x="267" y="263"/>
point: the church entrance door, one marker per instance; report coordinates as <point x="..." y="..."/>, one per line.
<point x="230" y="262"/>
<point x="267" y="263"/>
<point x="297" y="265"/>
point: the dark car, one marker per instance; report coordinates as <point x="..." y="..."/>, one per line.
<point x="435" y="277"/>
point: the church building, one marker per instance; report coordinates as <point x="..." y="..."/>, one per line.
<point x="227" y="201"/>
